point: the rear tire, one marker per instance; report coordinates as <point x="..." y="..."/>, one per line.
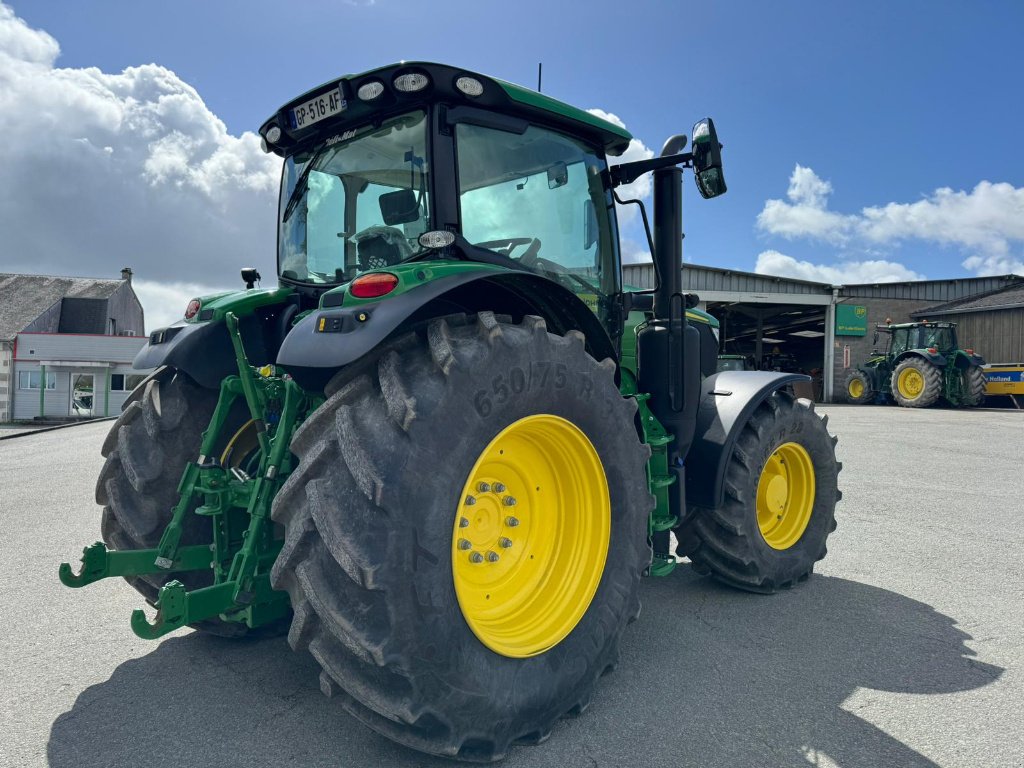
<point x="858" y="388"/>
<point x="146" y="451"/>
<point x="369" y="515"/>
<point x="974" y="386"/>
<point x="916" y="383"/>
<point x="731" y="543"/>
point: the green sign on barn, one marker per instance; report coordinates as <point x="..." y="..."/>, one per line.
<point x="851" y="320"/>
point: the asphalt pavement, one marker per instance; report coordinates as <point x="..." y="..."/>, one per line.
<point x="904" y="649"/>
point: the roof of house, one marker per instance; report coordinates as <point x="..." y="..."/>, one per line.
<point x="1010" y="297"/>
<point x="23" y="298"/>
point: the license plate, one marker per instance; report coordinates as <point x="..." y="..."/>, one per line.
<point x="317" y="109"/>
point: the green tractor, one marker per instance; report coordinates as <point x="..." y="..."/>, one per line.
<point x="444" y="450"/>
<point x="920" y="364"/>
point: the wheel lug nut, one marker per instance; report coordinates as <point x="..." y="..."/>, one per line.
<point x="511" y="522"/>
<point x="476" y="557"/>
<point x="505" y="542"/>
<point x="465" y="544"/>
<point x="492" y="557"/>
<point x="509" y="501"/>
<point x="463" y="522"/>
<point x="499" y="487"/>
<point x="470" y="501"/>
<point x="483" y="487"/>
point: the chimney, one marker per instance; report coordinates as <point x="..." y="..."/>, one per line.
<point x="126" y="274"/>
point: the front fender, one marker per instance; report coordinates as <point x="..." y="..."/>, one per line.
<point x="727" y="401"/>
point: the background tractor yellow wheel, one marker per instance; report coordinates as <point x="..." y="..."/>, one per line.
<point x="916" y="383"/>
<point x="858" y="388"/>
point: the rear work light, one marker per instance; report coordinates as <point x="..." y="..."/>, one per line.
<point x="411" y="82"/>
<point x="371" y="90"/>
<point x="372" y="285"/>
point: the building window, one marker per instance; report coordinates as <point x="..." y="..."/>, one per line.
<point x="122" y="382"/>
<point x="30" y="380"/>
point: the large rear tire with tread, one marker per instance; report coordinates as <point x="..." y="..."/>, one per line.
<point x="774" y="521"/>
<point x="146" y="451"/>
<point x="369" y="515"/>
<point x="916" y="383"/>
<point x="974" y="386"/>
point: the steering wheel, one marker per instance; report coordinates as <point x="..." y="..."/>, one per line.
<point x="506" y="245"/>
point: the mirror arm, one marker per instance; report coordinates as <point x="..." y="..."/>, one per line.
<point x="627" y="173"/>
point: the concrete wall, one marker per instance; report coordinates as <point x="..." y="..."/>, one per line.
<point x="879" y="310"/>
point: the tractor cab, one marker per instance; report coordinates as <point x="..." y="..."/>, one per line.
<point x="422" y="162"/>
<point x="907" y="336"/>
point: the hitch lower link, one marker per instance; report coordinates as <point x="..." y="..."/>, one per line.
<point x="244" y="548"/>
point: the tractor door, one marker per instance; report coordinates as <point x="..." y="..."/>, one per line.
<point x="540" y="198"/>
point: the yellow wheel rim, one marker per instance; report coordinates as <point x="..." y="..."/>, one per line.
<point x="785" y="496"/>
<point x="531" y="536"/>
<point x="910" y="383"/>
<point x="856" y="387"/>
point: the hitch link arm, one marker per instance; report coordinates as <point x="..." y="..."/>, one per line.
<point x="100" y="563"/>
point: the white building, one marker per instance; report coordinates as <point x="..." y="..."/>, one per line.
<point x="67" y="345"/>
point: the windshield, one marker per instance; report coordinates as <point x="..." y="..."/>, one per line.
<point x="539" y="197"/>
<point x="357" y="203"/>
<point x="937" y="338"/>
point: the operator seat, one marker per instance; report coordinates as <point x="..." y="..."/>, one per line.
<point x="380" y="246"/>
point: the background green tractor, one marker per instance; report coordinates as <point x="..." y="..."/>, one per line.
<point x="443" y="451"/>
<point x="921" y="363"/>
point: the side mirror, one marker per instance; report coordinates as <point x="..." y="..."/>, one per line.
<point x="399" y="207"/>
<point x="643" y="302"/>
<point x="707" y="159"/>
<point x="874" y="339"/>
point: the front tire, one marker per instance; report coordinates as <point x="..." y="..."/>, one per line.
<point x="779" y="507"/>
<point x="374" y="527"/>
<point x="858" y="388"/>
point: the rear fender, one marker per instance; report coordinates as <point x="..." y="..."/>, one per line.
<point x="933" y="358"/>
<point x="727" y="401"/>
<point x="330" y="338"/>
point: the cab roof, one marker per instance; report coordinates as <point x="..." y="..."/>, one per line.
<point x="497" y="95"/>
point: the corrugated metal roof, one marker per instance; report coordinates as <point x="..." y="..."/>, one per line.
<point x="1007" y="297"/>
<point x="930" y="290"/>
<point x="24" y="297"/>
<point x="697" y="278"/>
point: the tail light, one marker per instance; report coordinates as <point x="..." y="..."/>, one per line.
<point x="373" y="285"/>
<point x="192" y="309"/>
<point x="933" y="350"/>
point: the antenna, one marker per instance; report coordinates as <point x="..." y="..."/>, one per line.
<point x="540" y="69"/>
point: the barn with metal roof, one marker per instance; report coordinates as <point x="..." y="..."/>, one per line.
<point x="820" y="329"/>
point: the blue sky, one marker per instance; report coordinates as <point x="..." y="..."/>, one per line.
<point x="887" y="134"/>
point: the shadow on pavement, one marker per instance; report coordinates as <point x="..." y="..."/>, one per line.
<point x="708" y="677"/>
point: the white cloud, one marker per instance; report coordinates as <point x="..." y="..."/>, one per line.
<point x="989" y="219"/>
<point x="807" y="214"/>
<point x="106" y="170"/>
<point x="841" y="273"/>
<point x="165" y="303"/>
<point x="993" y="265"/>
<point x="639" y="189"/>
